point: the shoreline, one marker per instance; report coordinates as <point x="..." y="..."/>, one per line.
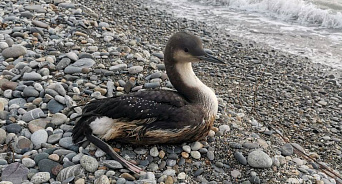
<point x="261" y="90"/>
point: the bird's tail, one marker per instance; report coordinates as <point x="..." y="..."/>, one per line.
<point x="82" y="128"/>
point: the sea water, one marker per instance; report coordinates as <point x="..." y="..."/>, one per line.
<point x="310" y="28"/>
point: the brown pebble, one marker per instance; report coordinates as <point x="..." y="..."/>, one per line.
<point x="84" y="41"/>
<point x="169" y="180"/>
<point x="161" y="154"/>
<point x="9" y="85"/>
<point x="80" y="181"/>
<point x="54" y="157"/>
<point x="55" y="170"/>
<point x="101" y="90"/>
<point x="77" y="33"/>
<point x="185" y="154"/>
<point x="127" y="176"/>
<point x="215" y="129"/>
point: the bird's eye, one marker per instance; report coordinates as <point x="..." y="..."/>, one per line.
<point x="186" y="50"/>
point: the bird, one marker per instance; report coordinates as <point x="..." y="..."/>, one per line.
<point x="155" y="116"/>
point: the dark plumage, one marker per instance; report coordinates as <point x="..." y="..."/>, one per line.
<point x="155" y="116"/>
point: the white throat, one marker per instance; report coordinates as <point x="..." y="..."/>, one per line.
<point x="203" y="93"/>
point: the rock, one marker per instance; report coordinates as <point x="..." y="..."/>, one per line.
<point x="63" y="63"/>
<point x="28" y="162"/>
<point x="40" y="177"/>
<point x="40" y="156"/>
<point x="9" y="85"/>
<point x="15" y="173"/>
<point x="195" y="154"/>
<point x="54" y="138"/>
<point x="224" y="128"/>
<point x="211" y="155"/>
<point x="71" y="171"/>
<point x="66" y="142"/>
<point x="33" y="114"/>
<point x="154" y="151"/>
<point x="196" y="146"/>
<point x="259" y="159"/>
<point x="38" y="124"/>
<point x="235" y="173"/>
<point x="102" y="180"/>
<point x="127" y="176"/>
<point x="240" y="158"/>
<point x="40" y="24"/>
<point x="39" y="137"/>
<point x="79" y="65"/>
<point x="13" y="128"/>
<point x="58" y="119"/>
<point x="54" y="106"/>
<point x="24" y="143"/>
<point x="32" y="76"/>
<point x="72" y="55"/>
<point x="286" y="150"/>
<point x="135" y="69"/>
<point x="47" y="165"/>
<point x="89" y="163"/>
<point x="3" y="135"/>
<point x="112" y="164"/>
<point x="14" y="52"/>
<point x="118" y="67"/>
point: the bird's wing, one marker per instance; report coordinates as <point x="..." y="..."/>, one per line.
<point x="143" y="107"/>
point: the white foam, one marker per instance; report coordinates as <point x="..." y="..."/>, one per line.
<point x="299" y="11"/>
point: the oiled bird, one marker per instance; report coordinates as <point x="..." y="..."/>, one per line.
<point x="155" y="116"/>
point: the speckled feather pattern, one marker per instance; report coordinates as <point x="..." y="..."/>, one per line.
<point x="146" y="117"/>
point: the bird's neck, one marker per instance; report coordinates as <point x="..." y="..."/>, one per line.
<point x="191" y="87"/>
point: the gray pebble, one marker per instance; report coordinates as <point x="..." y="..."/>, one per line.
<point x="135" y="69"/>
<point x="32" y="76"/>
<point x="259" y="159"/>
<point x="89" y="163"/>
<point x="40" y="177"/>
<point x="286" y="150"/>
<point x="39" y="137"/>
<point x="14" y="52"/>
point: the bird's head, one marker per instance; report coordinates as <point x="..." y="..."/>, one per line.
<point x="185" y="47"/>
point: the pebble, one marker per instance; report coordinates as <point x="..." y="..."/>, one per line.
<point x="13" y="128"/>
<point x="195" y="154"/>
<point x="196" y="146"/>
<point x="3" y="135"/>
<point x="39" y="137"/>
<point x="69" y="172"/>
<point x="58" y="119"/>
<point x="127" y="176"/>
<point x="102" y="180"/>
<point x="242" y="160"/>
<point x="135" y="69"/>
<point x="113" y="164"/>
<point x="15" y="173"/>
<point x="32" y="76"/>
<point x="286" y="150"/>
<point x="235" y="173"/>
<point x="79" y="65"/>
<point x="154" y="152"/>
<point x="40" y="177"/>
<point x="28" y="162"/>
<point x="14" y="52"/>
<point x="259" y="159"/>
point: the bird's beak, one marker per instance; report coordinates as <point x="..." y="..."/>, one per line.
<point x="210" y="58"/>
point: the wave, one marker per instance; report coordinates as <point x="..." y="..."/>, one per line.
<point x="299" y="11"/>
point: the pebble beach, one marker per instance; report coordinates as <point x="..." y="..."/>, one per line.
<point x="279" y="120"/>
